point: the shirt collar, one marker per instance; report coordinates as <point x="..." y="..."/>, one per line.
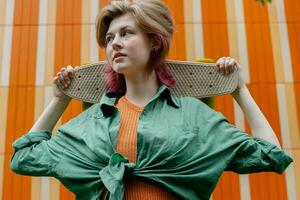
<point x="109" y="99"/>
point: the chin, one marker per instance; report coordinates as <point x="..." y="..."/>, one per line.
<point x="120" y="69"/>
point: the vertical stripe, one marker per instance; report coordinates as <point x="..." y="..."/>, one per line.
<point x="50" y="43"/>
<point x="54" y="190"/>
<point x="38" y="109"/>
<point x="178" y="49"/>
<point x="216" y="45"/>
<point x="232" y="30"/>
<point x="101" y="55"/>
<point x="2" y="11"/>
<point x="198" y="32"/>
<point x="241" y="37"/>
<point x="244" y="179"/>
<point x="293" y="116"/>
<point x="245" y="187"/>
<point x="286" y="139"/>
<point x="3" y="122"/>
<point x="46" y="96"/>
<point x="6" y="9"/>
<point x="262" y="71"/>
<point x="94" y="49"/>
<point x="21" y="92"/>
<point x="50" y="189"/>
<point x="7" y="44"/>
<point x="68" y="42"/>
<point x="45" y="188"/>
<point x="292" y="9"/>
<point x="294" y="132"/>
<point x="85" y="32"/>
<point x="2" y="25"/>
<point x="274" y="30"/>
<point x="284" y="40"/>
<point x="189" y="30"/>
<point x="42" y="41"/>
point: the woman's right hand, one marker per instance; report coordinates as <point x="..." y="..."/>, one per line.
<point x="63" y="78"/>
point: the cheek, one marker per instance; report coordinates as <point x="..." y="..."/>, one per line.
<point x="138" y="49"/>
<point x="108" y="53"/>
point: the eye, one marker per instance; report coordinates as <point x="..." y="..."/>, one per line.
<point x="108" y="38"/>
<point x="126" y="32"/>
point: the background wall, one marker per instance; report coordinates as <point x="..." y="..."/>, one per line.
<point x="38" y="37"/>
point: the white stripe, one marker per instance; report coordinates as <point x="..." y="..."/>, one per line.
<point x="244" y="179"/>
<point x="283" y="116"/>
<point x="198" y="30"/>
<point x="284" y="41"/>
<point x="286" y="139"/>
<point x="43" y="12"/>
<point x="290" y="180"/>
<point x="245" y="187"/>
<point x="10" y="7"/>
<point x="45" y="182"/>
<point x="3" y="117"/>
<point x="94" y="10"/>
<point x="6" y="54"/>
<point x="45" y="188"/>
<point x="94" y="50"/>
<point x="42" y="39"/>
<point x="242" y="41"/>
<point x="41" y="55"/>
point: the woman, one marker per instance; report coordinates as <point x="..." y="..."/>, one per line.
<point x="139" y="136"/>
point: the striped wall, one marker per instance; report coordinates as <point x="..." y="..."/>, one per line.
<point x="38" y="37"/>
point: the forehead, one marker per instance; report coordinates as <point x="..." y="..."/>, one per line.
<point x="120" y="22"/>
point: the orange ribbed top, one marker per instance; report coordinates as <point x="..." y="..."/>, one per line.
<point x="127" y="146"/>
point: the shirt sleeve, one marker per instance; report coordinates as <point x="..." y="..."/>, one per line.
<point x="36" y="154"/>
<point x="242" y="152"/>
<point x="257" y="155"/>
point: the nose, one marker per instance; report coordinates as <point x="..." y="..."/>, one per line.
<point x="117" y="43"/>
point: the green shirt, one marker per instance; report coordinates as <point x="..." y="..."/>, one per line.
<point x="183" y="146"/>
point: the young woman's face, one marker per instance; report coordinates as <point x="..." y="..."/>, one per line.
<point x="128" y="48"/>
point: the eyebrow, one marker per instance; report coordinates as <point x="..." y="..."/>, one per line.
<point x="121" y="29"/>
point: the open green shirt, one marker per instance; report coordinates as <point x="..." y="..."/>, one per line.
<point x="183" y="146"/>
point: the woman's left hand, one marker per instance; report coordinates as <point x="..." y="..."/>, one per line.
<point x="227" y="65"/>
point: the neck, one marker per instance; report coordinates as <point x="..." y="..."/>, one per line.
<point x="140" y="88"/>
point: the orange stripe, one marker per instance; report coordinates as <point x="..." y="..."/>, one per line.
<point x="265" y="96"/>
<point x="21" y="92"/>
<point x="262" y="71"/>
<point x="177" y="50"/>
<point x="68" y="42"/>
<point x="297" y="95"/>
<point x="215" y="37"/>
<point x="101" y="55"/>
<point x="292" y="18"/>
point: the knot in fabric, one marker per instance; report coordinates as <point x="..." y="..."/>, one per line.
<point x="112" y="175"/>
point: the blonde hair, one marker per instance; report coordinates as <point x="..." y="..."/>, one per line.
<point x="154" y="19"/>
<point x="151" y="16"/>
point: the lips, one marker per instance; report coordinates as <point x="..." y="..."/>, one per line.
<point x="118" y="55"/>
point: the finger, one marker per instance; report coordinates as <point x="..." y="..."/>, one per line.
<point x="62" y="77"/>
<point x="65" y="75"/>
<point x="58" y="81"/>
<point x="219" y="64"/>
<point x="231" y="65"/>
<point x="227" y="65"/>
<point x="70" y="71"/>
<point x="223" y="66"/>
<point x="76" y="67"/>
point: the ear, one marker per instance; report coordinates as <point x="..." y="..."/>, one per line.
<point x="155" y="44"/>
